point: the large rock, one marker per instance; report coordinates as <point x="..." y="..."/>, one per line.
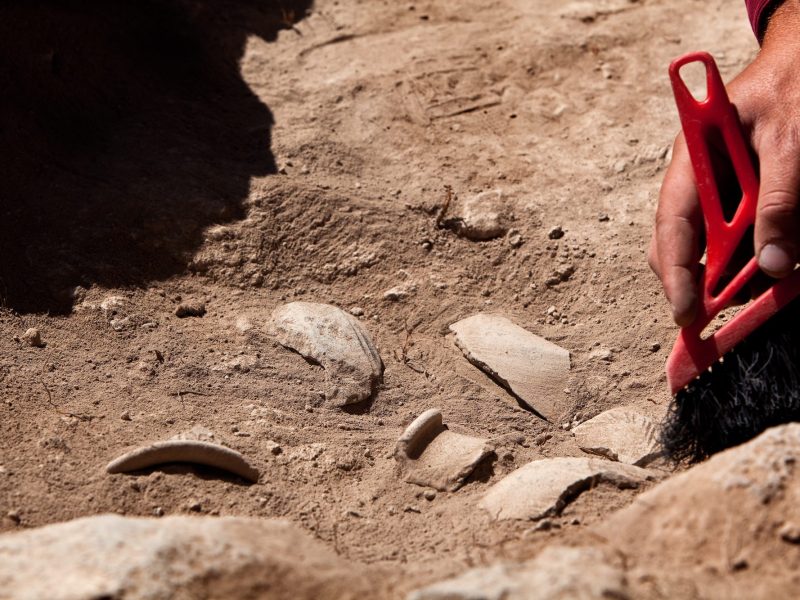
<point x="557" y="573"/>
<point x="430" y="454"/>
<point x="110" y="556"/>
<point x="543" y="487"/>
<point x="721" y="529"/>
<point x="529" y="366"/>
<point x="337" y="341"/>
<point x="619" y="434"/>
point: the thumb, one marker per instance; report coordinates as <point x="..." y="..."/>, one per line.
<point x="776" y="230"/>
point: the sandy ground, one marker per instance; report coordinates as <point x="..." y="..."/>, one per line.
<point x="370" y="110"/>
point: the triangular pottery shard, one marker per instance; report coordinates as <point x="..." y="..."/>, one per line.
<point x="337" y="341"/>
<point x="534" y="370"/>
<point x="431" y="455"/>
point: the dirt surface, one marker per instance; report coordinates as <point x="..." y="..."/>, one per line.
<point x="246" y="154"/>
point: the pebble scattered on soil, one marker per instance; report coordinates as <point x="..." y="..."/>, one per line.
<point x="481" y="217"/>
<point x="33" y="337"/>
<point x="190" y="309"/>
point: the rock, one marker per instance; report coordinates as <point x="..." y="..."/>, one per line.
<point x="429" y="454"/>
<point x="399" y="292"/>
<point x="337" y="341"/>
<point x="481" y="217"/>
<point x="514" y="238"/>
<point x="790" y="532"/>
<point x="110" y="556"/>
<point x="619" y="434"/>
<point x="555" y="233"/>
<point x="530" y="367"/>
<point x="557" y="573"/>
<point x="698" y="525"/>
<point x="544" y="487"/>
<point x="191" y="308"/>
<point x="113" y="304"/>
<point x="357" y="311"/>
<point x="33" y="337"/>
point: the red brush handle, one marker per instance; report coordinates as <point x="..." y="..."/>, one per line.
<point x="703" y="121"/>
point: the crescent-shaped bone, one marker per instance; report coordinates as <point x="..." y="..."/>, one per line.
<point x="187" y="451"/>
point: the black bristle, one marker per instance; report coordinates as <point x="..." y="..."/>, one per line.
<point x="756" y="387"/>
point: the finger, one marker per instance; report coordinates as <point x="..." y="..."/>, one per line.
<point x="678" y="229"/>
<point x="776" y="227"/>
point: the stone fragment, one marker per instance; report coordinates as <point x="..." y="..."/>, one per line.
<point x="555" y="233"/>
<point x="544" y="487"/>
<point x="335" y="340"/>
<point x="557" y="573"/>
<point x="481" y="217"/>
<point x="110" y="556"/>
<point x="533" y="369"/>
<point x="429" y="454"/>
<point x="620" y="434"/>
<point x="33" y="337"/>
<point x="692" y="531"/>
<point x="190" y="308"/>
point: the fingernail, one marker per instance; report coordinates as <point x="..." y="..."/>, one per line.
<point x="774" y="259"/>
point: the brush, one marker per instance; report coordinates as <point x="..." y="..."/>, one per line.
<point x="732" y="382"/>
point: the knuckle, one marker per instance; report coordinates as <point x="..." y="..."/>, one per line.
<point x="777" y="204"/>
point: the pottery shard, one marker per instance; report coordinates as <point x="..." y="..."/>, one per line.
<point x="429" y="454"/>
<point x="619" y="434"/>
<point x="530" y="367"/>
<point x="557" y="573"/>
<point x="544" y="487"/>
<point x="110" y="556"/>
<point x="337" y="341"/>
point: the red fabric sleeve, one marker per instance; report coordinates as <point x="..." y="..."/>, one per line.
<point x="758" y="10"/>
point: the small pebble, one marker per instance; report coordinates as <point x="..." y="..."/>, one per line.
<point x="274" y="448"/>
<point x="32" y="337"/>
<point x="125" y="416"/>
<point x="555" y="233"/>
<point x="790" y="533"/>
<point x="14" y="516"/>
<point x="514" y="238"/>
<point x="655" y="347"/>
<point x="190" y="309"/>
<point x="159" y="512"/>
<point x="603" y="218"/>
<point x="357" y="311"/>
<point x="430" y="495"/>
<point x="195" y="506"/>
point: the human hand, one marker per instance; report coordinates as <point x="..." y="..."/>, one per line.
<point x="767" y="97"/>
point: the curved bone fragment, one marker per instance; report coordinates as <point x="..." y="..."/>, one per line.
<point x="337" y="341"/>
<point x="429" y="454"/>
<point x="186" y="451"/>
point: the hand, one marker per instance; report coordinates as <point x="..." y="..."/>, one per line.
<point x="767" y="97"/>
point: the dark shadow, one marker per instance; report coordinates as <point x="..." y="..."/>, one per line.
<point x="126" y="129"/>
<point x="200" y="471"/>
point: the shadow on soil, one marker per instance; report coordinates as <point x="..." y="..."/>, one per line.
<point x="125" y="130"/>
